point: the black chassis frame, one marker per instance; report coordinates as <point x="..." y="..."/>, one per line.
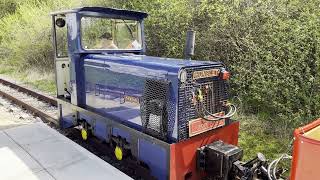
<point x="135" y="135"/>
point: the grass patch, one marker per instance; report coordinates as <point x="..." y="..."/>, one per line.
<point x="43" y="81"/>
<point x="268" y="145"/>
<point x="256" y="135"/>
<point x="6" y="69"/>
<point x="44" y="85"/>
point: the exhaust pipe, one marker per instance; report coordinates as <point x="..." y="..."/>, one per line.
<point x="190" y="42"/>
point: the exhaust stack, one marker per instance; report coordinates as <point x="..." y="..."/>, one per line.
<point x="190" y="42"/>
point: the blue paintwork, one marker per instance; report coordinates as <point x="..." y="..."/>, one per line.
<point x="156" y="157"/>
<point x="76" y="52"/>
<point x="105" y="11"/>
<point x="100" y="79"/>
<point x="168" y="64"/>
<point x="109" y="78"/>
<point x="123" y="134"/>
<point x="100" y="130"/>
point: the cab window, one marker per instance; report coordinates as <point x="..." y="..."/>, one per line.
<point x="61" y="37"/>
<point x="110" y="34"/>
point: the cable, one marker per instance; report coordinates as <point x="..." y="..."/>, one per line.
<point x="232" y="111"/>
<point x="285" y="156"/>
<point x="275" y="166"/>
<point x="203" y="112"/>
<point x="272" y="173"/>
<point x="228" y="115"/>
<point x="269" y="170"/>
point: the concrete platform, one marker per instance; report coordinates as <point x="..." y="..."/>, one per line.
<point x="37" y="152"/>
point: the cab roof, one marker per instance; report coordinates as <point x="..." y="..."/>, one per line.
<point x="104" y="10"/>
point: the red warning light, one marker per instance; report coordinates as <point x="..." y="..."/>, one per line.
<point x="225" y="75"/>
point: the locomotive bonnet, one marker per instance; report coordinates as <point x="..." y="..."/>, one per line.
<point x="152" y="94"/>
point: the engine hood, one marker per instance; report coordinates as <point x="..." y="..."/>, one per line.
<point x="169" y="64"/>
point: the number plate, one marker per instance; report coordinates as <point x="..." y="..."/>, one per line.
<point x="205" y="74"/>
<point x="198" y="126"/>
<point x="131" y="99"/>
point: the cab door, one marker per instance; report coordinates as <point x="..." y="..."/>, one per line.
<point x="62" y="60"/>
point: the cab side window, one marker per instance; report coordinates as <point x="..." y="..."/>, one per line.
<point x="61" y="37"/>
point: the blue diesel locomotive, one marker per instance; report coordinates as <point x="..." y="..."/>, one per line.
<point x="167" y="113"/>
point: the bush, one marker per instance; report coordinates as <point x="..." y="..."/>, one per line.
<point x="25" y="36"/>
<point x="7" y="7"/>
<point x="271" y="48"/>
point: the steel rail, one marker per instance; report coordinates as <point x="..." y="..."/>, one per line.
<point x="25" y="90"/>
<point x="29" y="107"/>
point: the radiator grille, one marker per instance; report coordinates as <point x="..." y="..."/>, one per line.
<point x="216" y="94"/>
<point x="155" y="106"/>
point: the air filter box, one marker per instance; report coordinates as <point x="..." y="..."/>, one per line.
<point x="217" y="158"/>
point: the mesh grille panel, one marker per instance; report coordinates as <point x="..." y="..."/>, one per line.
<point x="154" y="108"/>
<point x="216" y="94"/>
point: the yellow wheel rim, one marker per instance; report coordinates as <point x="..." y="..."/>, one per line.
<point x="84" y="134"/>
<point x="118" y="153"/>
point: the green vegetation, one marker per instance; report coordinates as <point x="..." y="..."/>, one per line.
<point x="257" y="136"/>
<point x="272" y="48"/>
<point x="42" y="81"/>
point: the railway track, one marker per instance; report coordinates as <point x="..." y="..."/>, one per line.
<point x="40" y="105"/>
<point x="45" y="107"/>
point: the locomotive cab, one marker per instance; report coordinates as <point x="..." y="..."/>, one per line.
<point x="164" y="112"/>
<point x="92" y="30"/>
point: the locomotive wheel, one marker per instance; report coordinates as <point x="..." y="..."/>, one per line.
<point x="118" y="152"/>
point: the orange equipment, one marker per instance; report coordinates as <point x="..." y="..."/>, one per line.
<point x="306" y="152"/>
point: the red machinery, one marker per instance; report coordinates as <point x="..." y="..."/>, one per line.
<point x="306" y="152"/>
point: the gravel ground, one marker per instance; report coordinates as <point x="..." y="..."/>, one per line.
<point x="43" y="106"/>
<point x="12" y="116"/>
